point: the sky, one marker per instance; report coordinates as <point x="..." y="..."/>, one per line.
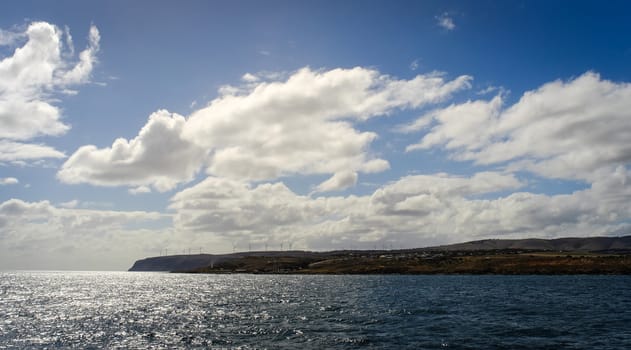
<point x="136" y="129"/>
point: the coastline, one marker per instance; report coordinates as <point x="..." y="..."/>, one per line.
<point x="500" y="263"/>
<point x="592" y="255"/>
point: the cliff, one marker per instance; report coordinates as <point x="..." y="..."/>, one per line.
<point x="172" y="263"/>
<point x="175" y="263"/>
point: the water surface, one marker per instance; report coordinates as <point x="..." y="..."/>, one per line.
<point x="156" y="310"/>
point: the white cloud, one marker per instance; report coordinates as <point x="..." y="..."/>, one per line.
<point x="487" y="90"/>
<point x="458" y="125"/>
<point x="8" y="38"/>
<point x="139" y="190"/>
<point x="17" y="151"/>
<point x="44" y="118"/>
<point x="264" y="130"/>
<point x="418" y="124"/>
<point x="565" y="130"/>
<point x="250" y="78"/>
<point x="80" y="73"/>
<point x="446" y="21"/>
<point x="28" y="79"/>
<point x="40" y="235"/>
<point x="8" y="181"/>
<point x="70" y="204"/>
<point x="69" y="42"/>
<point x="415" y="64"/>
<point x="304" y="124"/>
<point x="159" y="156"/>
<point x="339" y="181"/>
<point x="229" y="207"/>
<point x="413" y="211"/>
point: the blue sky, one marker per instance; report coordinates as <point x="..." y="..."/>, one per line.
<point x="326" y="124"/>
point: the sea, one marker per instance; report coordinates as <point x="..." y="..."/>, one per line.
<point x="140" y="310"/>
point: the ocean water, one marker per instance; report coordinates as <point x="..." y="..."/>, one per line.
<point x="159" y="310"/>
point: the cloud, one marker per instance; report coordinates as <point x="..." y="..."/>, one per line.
<point x="412" y="211"/>
<point x="17" y="151"/>
<point x="8" y="181"/>
<point x="19" y="211"/>
<point x="458" y="125"/>
<point x="39" y="235"/>
<point x="139" y="190"/>
<point x="418" y="124"/>
<point x="29" y="79"/>
<point x="264" y="130"/>
<point x="446" y="21"/>
<point x="70" y="204"/>
<point x="304" y="125"/>
<point x="339" y="181"/>
<point x="9" y="38"/>
<point x="564" y="129"/>
<point x="487" y="90"/>
<point x="159" y="156"/>
<point x="229" y="207"/>
<point x="250" y="78"/>
<point x="415" y="64"/>
<point x="87" y="58"/>
<point x="69" y="42"/>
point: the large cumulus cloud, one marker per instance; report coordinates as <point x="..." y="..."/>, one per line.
<point x="159" y="156"/>
<point x="29" y="79"/>
<point x="564" y="129"/>
<point x="266" y="129"/>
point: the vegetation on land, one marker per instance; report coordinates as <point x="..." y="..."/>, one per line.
<point x="434" y="262"/>
<point x="588" y="255"/>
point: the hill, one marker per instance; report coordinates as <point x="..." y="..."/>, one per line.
<point x="482" y="256"/>
<point x="587" y="244"/>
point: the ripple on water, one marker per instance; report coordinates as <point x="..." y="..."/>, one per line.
<point x="154" y="310"/>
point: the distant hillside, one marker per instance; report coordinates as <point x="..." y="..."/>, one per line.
<point x="588" y="244"/>
<point x="200" y="261"/>
<point x="194" y="261"/>
<point x="172" y="263"/>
